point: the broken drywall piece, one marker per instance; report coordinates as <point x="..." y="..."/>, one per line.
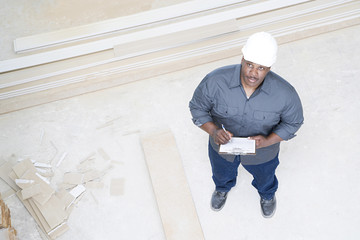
<point x="61" y="159"/>
<point x="22" y="167"/>
<point x="24" y="183"/>
<point x="92" y="175"/>
<point x="65" y="197"/>
<point x="85" y="164"/>
<point x="56" y="151"/>
<point x="12" y="175"/>
<point x="7" y="193"/>
<point x="89" y="157"/>
<point x="42" y="178"/>
<point x="103" y="154"/>
<point x="42" y="136"/>
<point x="38" y="215"/>
<point x="117" y="186"/>
<point x="53" y="211"/>
<point x="31" y="191"/>
<point x="77" y="191"/>
<point x="94" y="185"/>
<point x="42" y="165"/>
<point x="75" y="195"/>
<point x="47" y="173"/>
<point x="59" y="230"/>
<point x="35" y="214"/>
<point x="5" y="169"/>
<point x="95" y="199"/>
<point x="46" y="190"/>
<point x="66" y="186"/>
<point x="117" y="162"/>
<point x="73" y="178"/>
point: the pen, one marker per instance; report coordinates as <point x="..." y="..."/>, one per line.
<point x="222" y="125"/>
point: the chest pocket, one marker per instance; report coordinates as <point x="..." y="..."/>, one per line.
<point x="268" y="118"/>
<point x="223" y="111"/>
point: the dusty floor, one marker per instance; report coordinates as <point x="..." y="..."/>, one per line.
<point x="318" y="173"/>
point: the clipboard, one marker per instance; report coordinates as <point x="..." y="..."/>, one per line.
<point x="238" y="146"/>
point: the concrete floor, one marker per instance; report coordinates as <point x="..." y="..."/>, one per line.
<point x="318" y="173"/>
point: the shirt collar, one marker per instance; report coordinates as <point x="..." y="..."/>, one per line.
<point x="235" y="80"/>
<point x="266" y="85"/>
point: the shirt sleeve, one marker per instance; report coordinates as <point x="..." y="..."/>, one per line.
<point x="201" y="104"/>
<point x="291" y="118"/>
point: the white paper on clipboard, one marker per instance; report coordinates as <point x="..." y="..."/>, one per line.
<point x="238" y="146"/>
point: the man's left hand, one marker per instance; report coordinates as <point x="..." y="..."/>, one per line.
<point x="262" y="141"/>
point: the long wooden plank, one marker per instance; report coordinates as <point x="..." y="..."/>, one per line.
<point x="100" y="45"/>
<point x="180" y="38"/>
<point x="175" y="203"/>
<point x="312" y="7"/>
<point x="117" y="24"/>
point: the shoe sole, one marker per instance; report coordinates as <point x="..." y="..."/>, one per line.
<point x="216" y="210"/>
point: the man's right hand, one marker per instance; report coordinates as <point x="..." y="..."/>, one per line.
<point x="221" y="137"/>
<point x="218" y="134"/>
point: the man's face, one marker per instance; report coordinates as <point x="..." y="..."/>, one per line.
<point x="252" y="74"/>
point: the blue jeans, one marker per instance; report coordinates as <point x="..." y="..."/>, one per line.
<point x="225" y="173"/>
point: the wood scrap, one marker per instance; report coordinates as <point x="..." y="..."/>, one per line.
<point x="5" y="220"/>
<point x="117" y="186"/>
<point x="117" y="24"/>
<point x="172" y="192"/>
<point x="5" y="215"/>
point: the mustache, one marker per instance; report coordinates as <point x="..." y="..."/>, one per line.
<point x="250" y="77"/>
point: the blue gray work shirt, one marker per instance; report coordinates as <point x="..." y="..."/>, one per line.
<point x="274" y="107"/>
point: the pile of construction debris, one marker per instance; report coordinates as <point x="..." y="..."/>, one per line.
<point x="49" y="206"/>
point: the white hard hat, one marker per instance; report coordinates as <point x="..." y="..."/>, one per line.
<point x="260" y="48"/>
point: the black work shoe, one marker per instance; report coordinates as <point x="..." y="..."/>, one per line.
<point x="218" y="200"/>
<point x="268" y="207"/>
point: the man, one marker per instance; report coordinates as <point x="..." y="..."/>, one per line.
<point x="250" y="101"/>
